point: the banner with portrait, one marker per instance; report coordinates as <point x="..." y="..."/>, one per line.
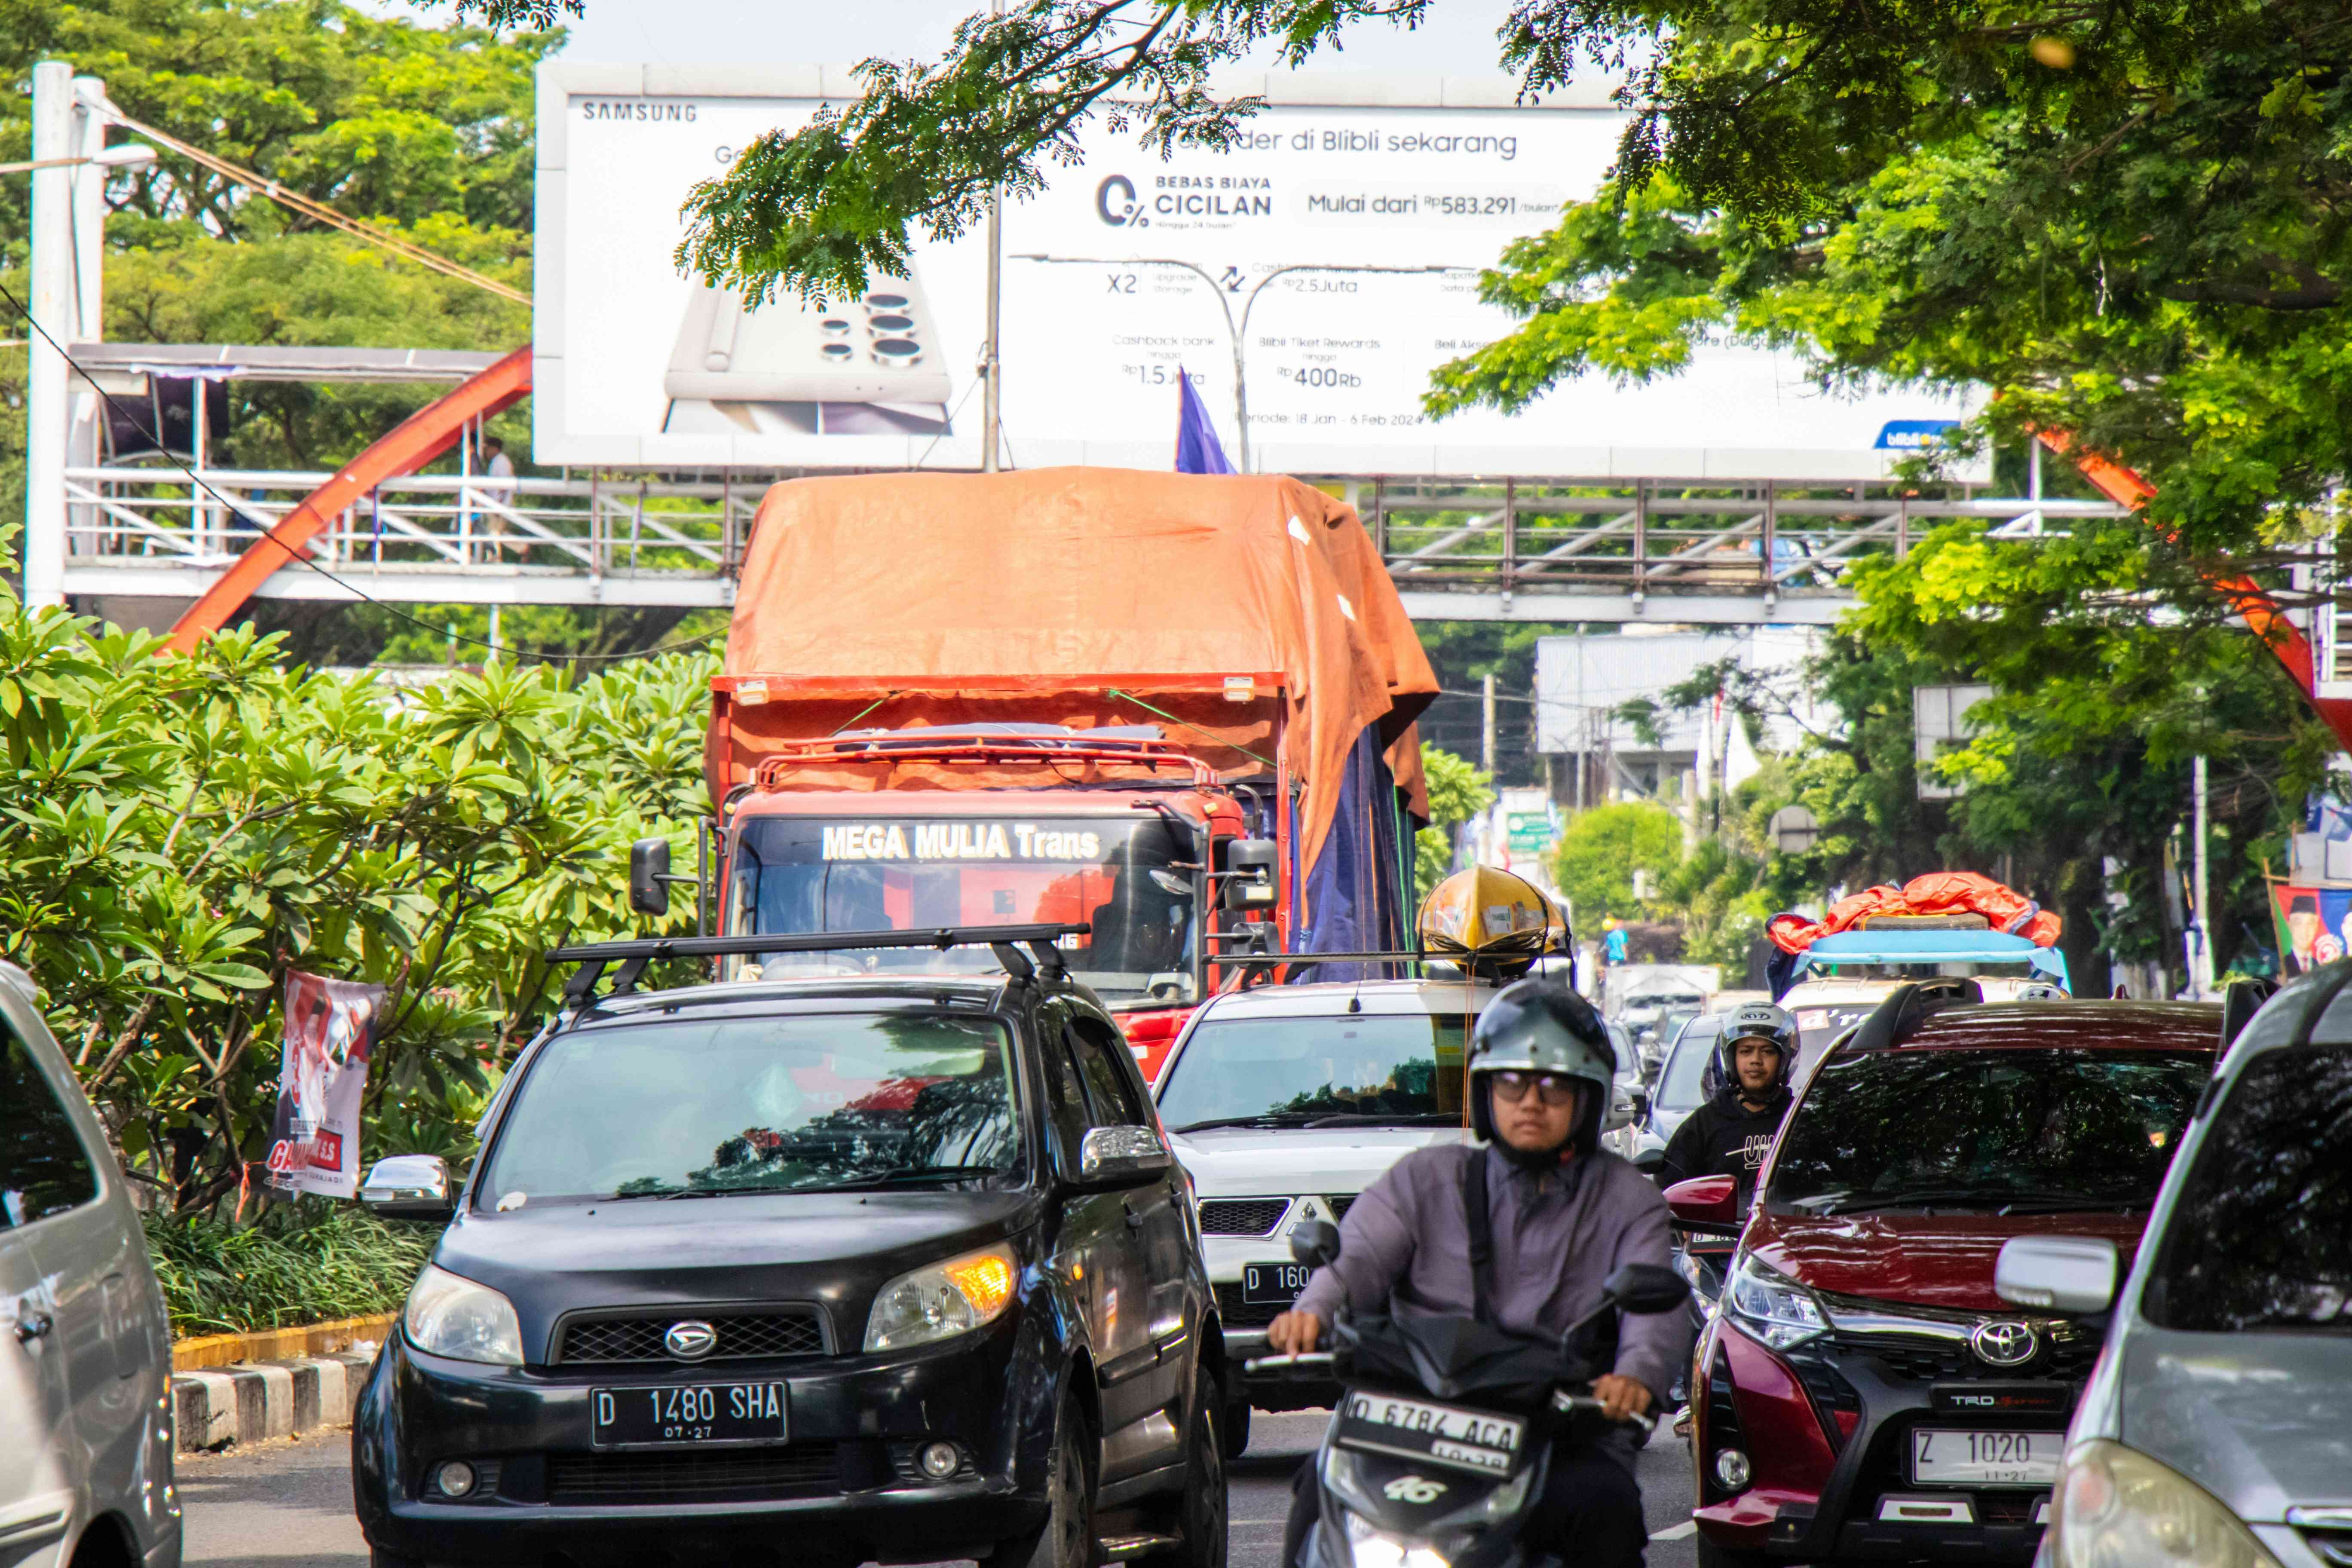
<point x="2315" y="925"/>
<point x="330" y="1031"/>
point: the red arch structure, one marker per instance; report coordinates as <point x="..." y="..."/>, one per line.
<point x="2243" y="593"/>
<point x="412" y="443"/>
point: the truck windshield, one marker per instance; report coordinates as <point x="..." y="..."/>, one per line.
<point x="717" y="1107"/>
<point x="1295" y="1071"/>
<point x="1122" y="875"/>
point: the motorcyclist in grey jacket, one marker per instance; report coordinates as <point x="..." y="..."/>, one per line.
<point x="1564" y="1213"/>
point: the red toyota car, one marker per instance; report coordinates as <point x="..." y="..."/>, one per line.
<point x="1862" y="1394"/>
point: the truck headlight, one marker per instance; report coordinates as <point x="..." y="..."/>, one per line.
<point x="2114" y="1505"/>
<point x="1771" y="1305"/>
<point x="942" y="1300"/>
<point x="449" y="1315"/>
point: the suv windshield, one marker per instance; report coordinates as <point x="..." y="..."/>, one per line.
<point x="2016" y="1130"/>
<point x="1399" y="1065"/>
<point x="801" y="875"/>
<point x="734" y="1105"/>
<point x="2261" y="1237"/>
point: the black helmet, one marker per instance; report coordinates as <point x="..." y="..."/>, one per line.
<point x="1542" y="1025"/>
<point x="1755" y="1021"/>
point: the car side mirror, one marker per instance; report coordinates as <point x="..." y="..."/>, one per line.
<point x="2057" y="1273"/>
<point x="409" y="1186"/>
<point x="1646" y="1288"/>
<point x="1705" y="1200"/>
<point x="1120" y="1156"/>
<point x="1250" y="882"/>
<point x="1624" y="1108"/>
<point x="1315" y="1243"/>
<point x="649" y="875"/>
<point x="1641" y="1105"/>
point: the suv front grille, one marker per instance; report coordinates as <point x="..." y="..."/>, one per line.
<point x="1342" y="1203"/>
<point x="1240" y="1314"/>
<point x="698" y="1475"/>
<point x="1241" y="1216"/>
<point x="742" y="1336"/>
<point x="2063" y="1357"/>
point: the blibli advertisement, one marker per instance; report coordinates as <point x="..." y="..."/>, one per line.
<point x="1315" y="273"/>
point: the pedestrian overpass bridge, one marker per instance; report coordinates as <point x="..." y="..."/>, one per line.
<point x="143" y="542"/>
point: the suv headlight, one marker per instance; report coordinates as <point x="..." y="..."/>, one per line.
<point x="2115" y="1505"/>
<point x="942" y="1300"/>
<point x="450" y="1315"/>
<point x="1771" y="1305"/>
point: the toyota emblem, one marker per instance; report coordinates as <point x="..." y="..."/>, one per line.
<point x="2004" y="1342"/>
<point x="692" y="1341"/>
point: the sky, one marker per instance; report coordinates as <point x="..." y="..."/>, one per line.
<point x="1458" y="38"/>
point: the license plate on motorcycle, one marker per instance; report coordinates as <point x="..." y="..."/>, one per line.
<point x="1946" y="1458"/>
<point x="1478" y="1441"/>
<point x="698" y="1415"/>
<point x="1272" y="1284"/>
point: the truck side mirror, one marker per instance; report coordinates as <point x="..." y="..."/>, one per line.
<point x="649" y="875"/>
<point x="1250" y="873"/>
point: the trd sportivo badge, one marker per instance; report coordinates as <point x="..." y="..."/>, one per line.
<point x="2004" y="1342"/>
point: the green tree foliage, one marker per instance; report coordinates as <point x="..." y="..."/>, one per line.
<point x="1603" y="848"/>
<point x="1457" y="791"/>
<point x="178" y="833"/>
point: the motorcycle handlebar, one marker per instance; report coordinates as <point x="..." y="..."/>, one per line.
<point x="1295" y="1359"/>
<point x="1568" y="1402"/>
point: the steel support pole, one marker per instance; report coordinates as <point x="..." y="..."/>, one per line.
<point x="2200" y="976"/>
<point x="47" y="411"/>
<point x="992" y="366"/>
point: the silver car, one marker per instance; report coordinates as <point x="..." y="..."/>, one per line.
<point x="2214" y="1427"/>
<point x="84" y="1348"/>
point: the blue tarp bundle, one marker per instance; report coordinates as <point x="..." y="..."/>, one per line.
<point x="1197" y="448"/>
<point x="1353" y="899"/>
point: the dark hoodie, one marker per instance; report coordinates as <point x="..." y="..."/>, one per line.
<point x="1724" y="1137"/>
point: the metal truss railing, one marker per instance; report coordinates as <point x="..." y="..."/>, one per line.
<point x="1466" y="538"/>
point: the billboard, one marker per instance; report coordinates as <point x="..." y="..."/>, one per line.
<point x="1319" y="269"/>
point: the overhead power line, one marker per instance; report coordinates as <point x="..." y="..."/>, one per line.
<point x="319" y="211"/>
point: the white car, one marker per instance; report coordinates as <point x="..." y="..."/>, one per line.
<point x="1285" y="1102"/>
<point x="84" y="1348"/>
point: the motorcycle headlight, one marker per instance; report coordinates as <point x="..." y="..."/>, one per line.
<point x="449" y="1315"/>
<point x="2115" y="1508"/>
<point x="1372" y="1548"/>
<point x="942" y="1300"/>
<point x="1771" y="1305"/>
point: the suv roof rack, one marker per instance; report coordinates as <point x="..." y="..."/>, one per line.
<point x="1909" y="1004"/>
<point x="633" y="953"/>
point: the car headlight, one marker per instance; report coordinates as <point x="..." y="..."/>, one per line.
<point x="942" y="1300"/>
<point x="450" y="1315"/>
<point x="1772" y="1307"/>
<point x="2115" y="1508"/>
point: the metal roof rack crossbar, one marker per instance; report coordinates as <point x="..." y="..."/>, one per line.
<point x="633" y="953"/>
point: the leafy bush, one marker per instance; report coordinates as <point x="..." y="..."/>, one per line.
<point x="301" y="1263"/>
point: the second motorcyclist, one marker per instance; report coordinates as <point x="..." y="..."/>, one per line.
<point x="1560" y="1214"/>
<point x="1732" y="1132"/>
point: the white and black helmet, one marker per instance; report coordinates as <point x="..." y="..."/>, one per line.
<point x="1542" y="1026"/>
<point x="1756" y="1021"/>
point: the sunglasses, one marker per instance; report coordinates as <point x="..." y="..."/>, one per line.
<point x="1555" y="1090"/>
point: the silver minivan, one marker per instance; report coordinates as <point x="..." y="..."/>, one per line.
<point x="2214" y="1429"/>
<point x="85" y="1346"/>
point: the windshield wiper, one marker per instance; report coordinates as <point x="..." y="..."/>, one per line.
<point x="1262" y="1118"/>
<point x="670" y="1193"/>
<point x="1397" y="1118"/>
<point x="1973" y="1198"/>
<point x="912" y="1174"/>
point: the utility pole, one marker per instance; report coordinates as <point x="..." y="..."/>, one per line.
<point x="51" y="309"/>
<point x="991" y="367"/>
<point x="1486" y="725"/>
<point x="2200" y="974"/>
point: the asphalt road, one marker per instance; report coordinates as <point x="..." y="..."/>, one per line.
<point x="288" y="1504"/>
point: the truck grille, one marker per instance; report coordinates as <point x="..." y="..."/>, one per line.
<point x="745" y="1474"/>
<point x="742" y="1336"/>
<point x="1242" y="1216"/>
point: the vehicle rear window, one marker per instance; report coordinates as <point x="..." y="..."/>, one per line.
<point x="711" y="1107"/>
<point x="1681" y="1085"/>
<point x="2262" y="1235"/>
<point x="2009" y="1130"/>
<point x="1295" y="1071"/>
<point x="44" y="1169"/>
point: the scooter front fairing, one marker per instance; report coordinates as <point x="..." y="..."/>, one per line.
<point x="1394" y="1510"/>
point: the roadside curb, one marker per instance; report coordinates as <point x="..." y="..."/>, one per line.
<point x="214" y="1407"/>
<point x="279" y="1344"/>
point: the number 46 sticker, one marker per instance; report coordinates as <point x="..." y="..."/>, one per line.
<point x="1413" y="1488"/>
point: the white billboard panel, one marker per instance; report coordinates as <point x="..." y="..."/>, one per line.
<point x="1128" y="271"/>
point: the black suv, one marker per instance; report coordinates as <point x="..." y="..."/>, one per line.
<point x="825" y="1271"/>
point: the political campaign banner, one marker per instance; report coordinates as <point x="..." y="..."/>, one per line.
<point x="2315" y="925"/>
<point x="331" y="1033"/>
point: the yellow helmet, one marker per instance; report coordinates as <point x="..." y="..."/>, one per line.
<point x="1493" y="923"/>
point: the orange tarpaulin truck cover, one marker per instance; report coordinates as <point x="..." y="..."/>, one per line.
<point x="1079" y="596"/>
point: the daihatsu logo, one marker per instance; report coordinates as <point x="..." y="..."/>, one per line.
<point x="690" y="1340"/>
<point x="2004" y="1342"/>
